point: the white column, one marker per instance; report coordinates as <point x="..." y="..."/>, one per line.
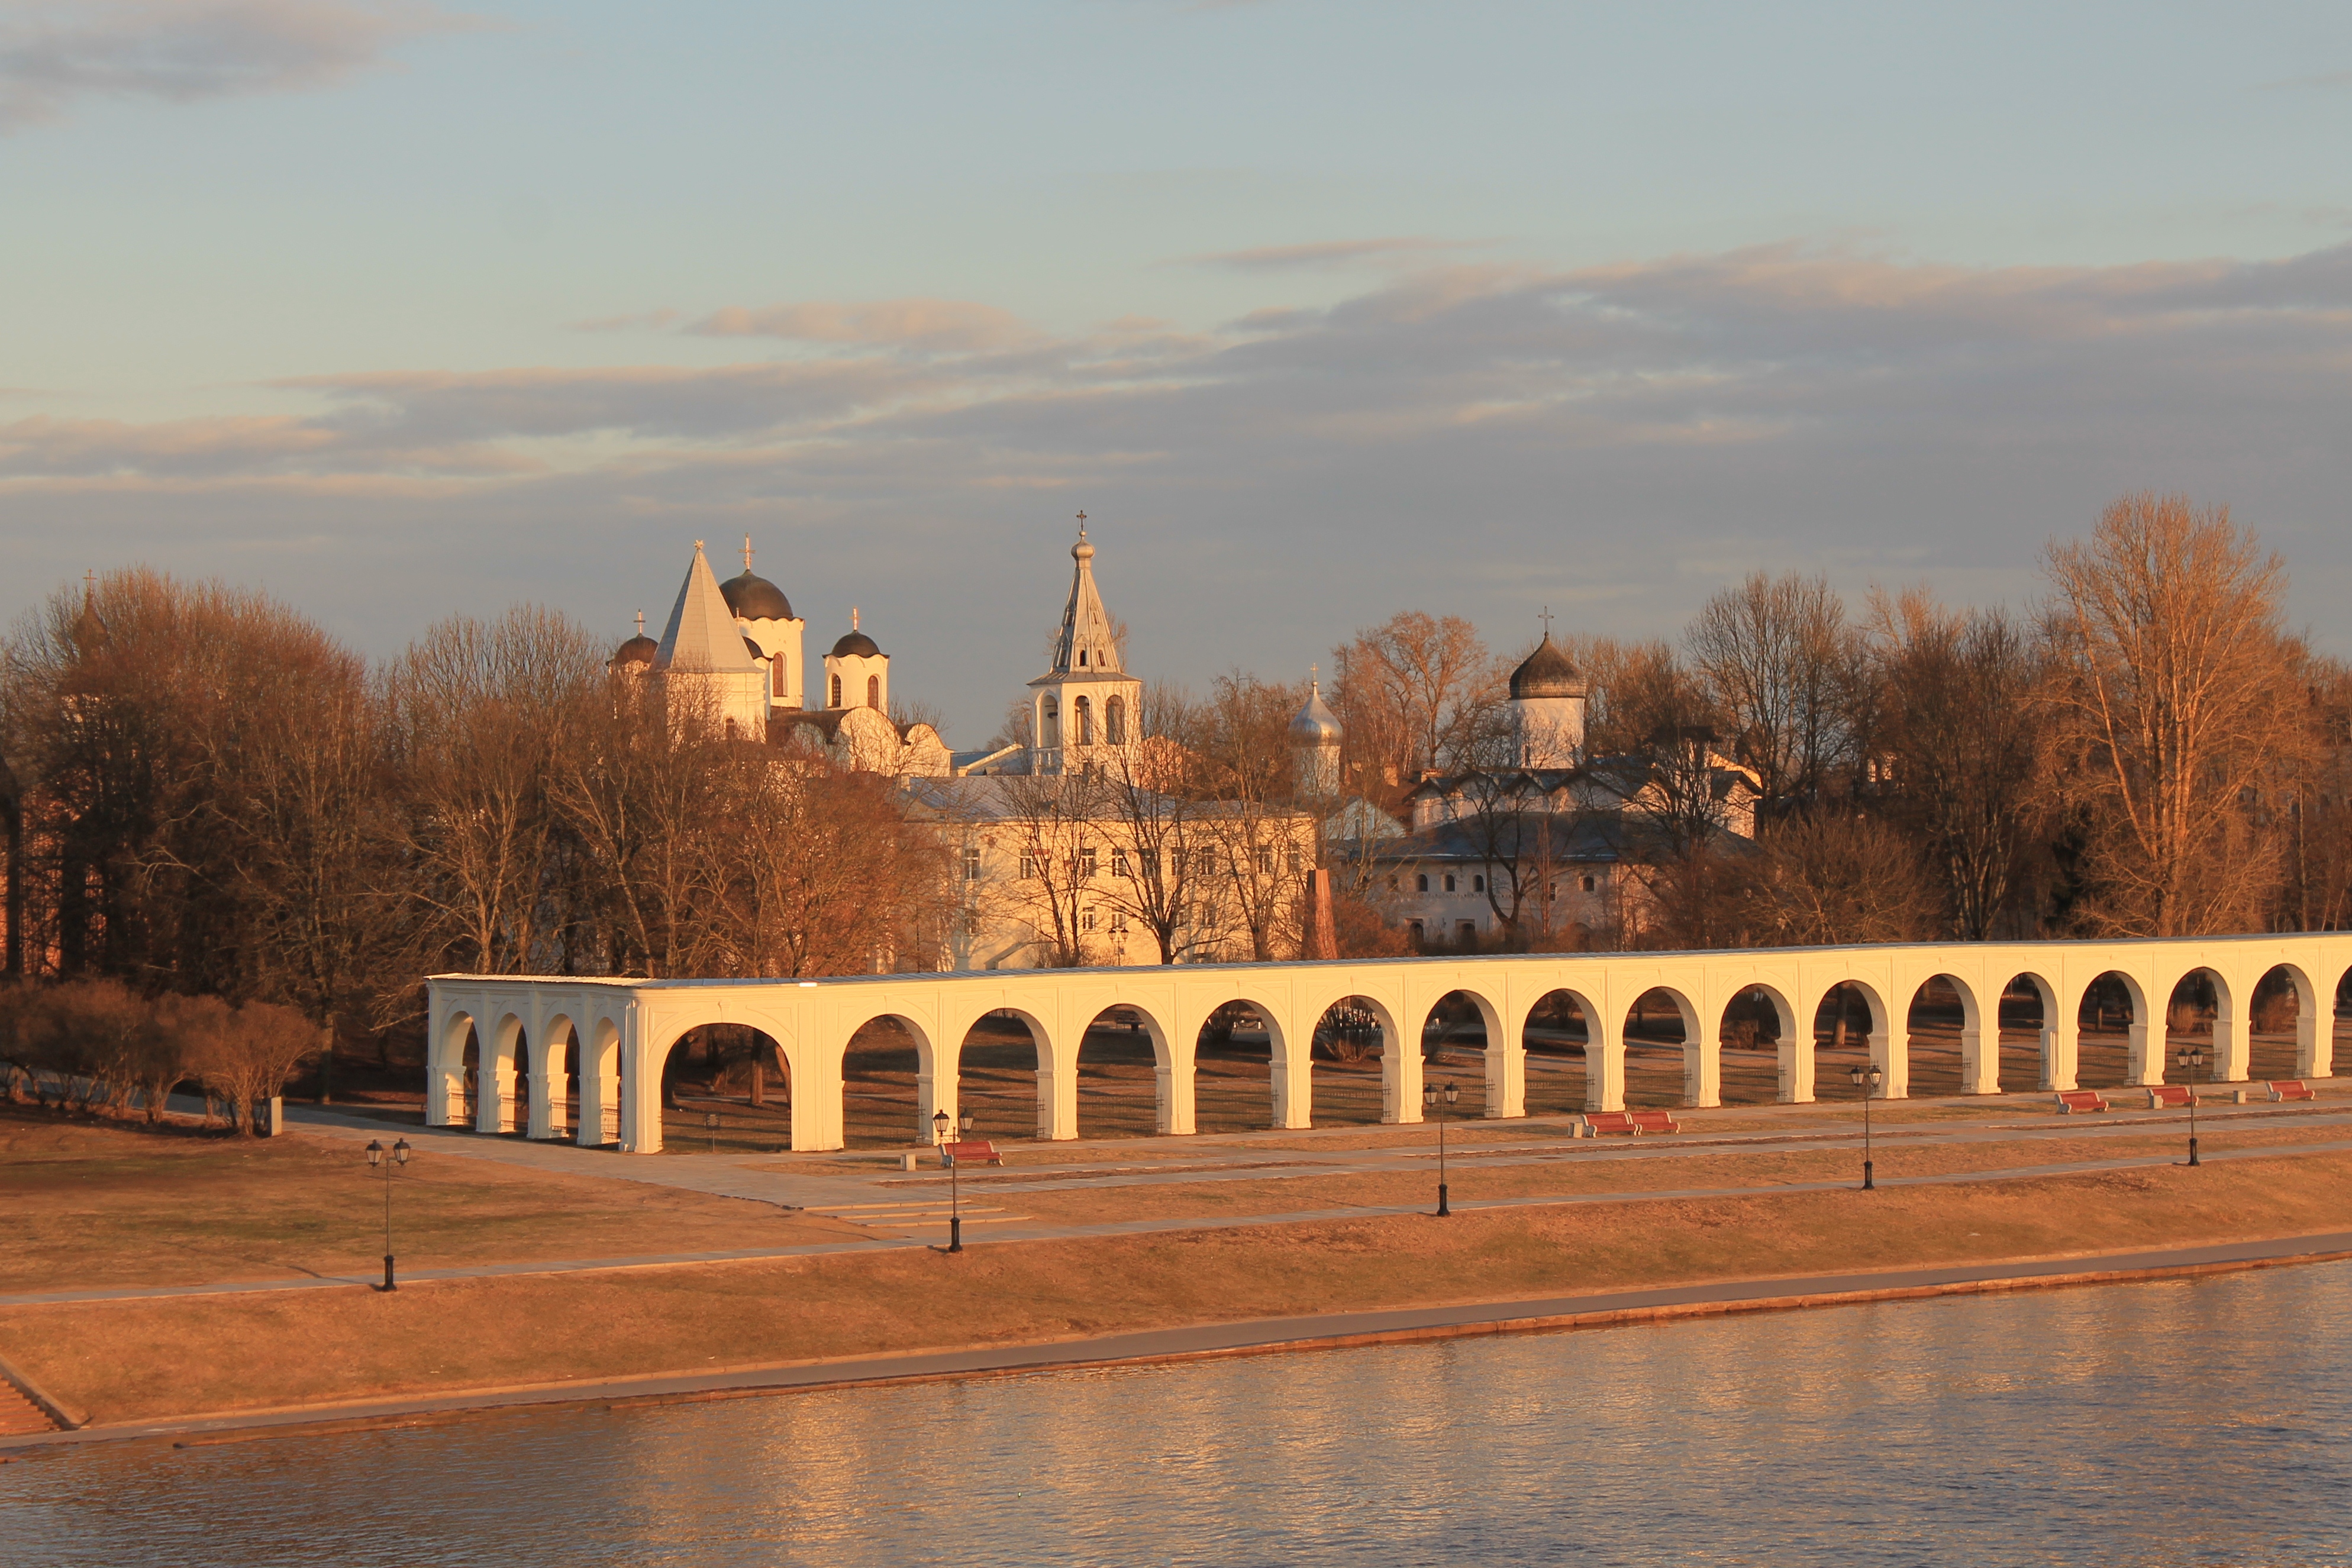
<point x="1402" y="1071"/>
<point x="935" y="1091"/>
<point x="1292" y="1071"/>
<point x="1890" y="1051"/>
<point x="2233" y="1046"/>
<point x="2060" y="1049"/>
<point x="1980" y="1064"/>
<point x="1605" y="1064"/>
<point x="2144" y="1065"/>
<point x="816" y="1097"/>
<point x="446" y="1106"/>
<point x="1507" y="1069"/>
<point x="1175" y="1117"/>
<point x="641" y="1106"/>
<point x="2315" y="1040"/>
<point x="1796" y="1052"/>
<point x="542" y="1097"/>
<point x="1703" y="1064"/>
<point x="599" y="1110"/>
<point x="1057" y="1099"/>
<point x="494" y="1095"/>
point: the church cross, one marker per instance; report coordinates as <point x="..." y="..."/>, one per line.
<point x="747" y="553"/>
<point x="1546" y="618"/>
<point x="1082" y="525"/>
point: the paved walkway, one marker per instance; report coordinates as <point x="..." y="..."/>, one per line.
<point x="1327" y="1331"/>
<point x="928" y="1228"/>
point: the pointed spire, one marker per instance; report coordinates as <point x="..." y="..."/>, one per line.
<point x="1085" y="643"/>
<point x="701" y="634"/>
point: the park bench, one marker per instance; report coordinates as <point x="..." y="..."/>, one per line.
<point x="2170" y="1096"/>
<point x="978" y="1150"/>
<point x="2290" y="1089"/>
<point x="1654" y="1121"/>
<point x="2072" y="1101"/>
<point x="1634" y="1122"/>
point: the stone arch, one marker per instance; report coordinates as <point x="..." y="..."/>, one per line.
<point x="1559" y="1033"/>
<point x="1115" y="720"/>
<point x="1652" y="1076"/>
<point x="501" y="1059"/>
<point x="2284" y="1023"/>
<point x="600" y="1086"/>
<point x="1758" y="1040"/>
<point x="554" y="1079"/>
<point x="1049" y="722"/>
<point x="2052" y="1046"/>
<point x="457" y="1061"/>
<point x="1122" y="1064"/>
<point x="1855" y="1034"/>
<point x="891" y="1081"/>
<point x="1944" y="1038"/>
<point x="2200" y="1009"/>
<point x="1224" y="1067"/>
<point x="1353" y="1049"/>
<point x="1003" y="1077"/>
<point x="2112" y="1033"/>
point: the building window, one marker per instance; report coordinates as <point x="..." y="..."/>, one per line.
<point x="1449" y="881"/>
<point x="1477" y="884"/>
<point x="1415" y="927"/>
<point x="776" y="676"/>
<point x="1082" y="659"/>
<point x="1082" y="715"/>
<point x="1119" y="867"/>
<point x="1115" y="720"/>
<point x="1086" y="861"/>
<point x="1588" y="884"/>
<point x="972" y="863"/>
<point x="1119" y="920"/>
<point x="1467" y="932"/>
<point x="836" y="698"/>
<point x="1392" y="884"/>
<point x="1028" y="866"/>
<point x="874" y="691"/>
<point x="1051" y="728"/>
<point x="1421" y="885"/>
<point x="1086" y="920"/>
<point x="1266" y="861"/>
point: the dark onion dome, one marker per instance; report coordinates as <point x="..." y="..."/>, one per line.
<point x="1546" y="673"/>
<point x="638" y="649"/>
<point x="754" y="598"/>
<point x="753" y="649"/>
<point x="855" y="645"/>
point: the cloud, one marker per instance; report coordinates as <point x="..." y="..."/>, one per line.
<point x="1335" y="253"/>
<point x="642" y="320"/>
<point x="931" y="325"/>
<point x="54" y="54"/>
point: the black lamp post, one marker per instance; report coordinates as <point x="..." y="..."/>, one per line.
<point x="1866" y="1078"/>
<point x="955" y="1177"/>
<point x="1430" y="1101"/>
<point x="2190" y="1060"/>
<point x="375" y="1152"/>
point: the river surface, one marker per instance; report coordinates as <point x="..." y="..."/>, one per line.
<point x="2196" y="1421"/>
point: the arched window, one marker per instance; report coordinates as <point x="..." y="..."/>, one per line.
<point x="776" y="676"/>
<point x="1477" y="884"/>
<point x="1082" y="659"/>
<point x="1083" y="713"/>
<point x="874" y="691"/>
<point x="835" y="700"/>
<point x="1115" y="720"/>
<point x="1051" y="728"/>
<point x="1420" y="884"/>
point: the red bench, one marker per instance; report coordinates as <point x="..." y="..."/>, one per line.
<point x="978" y="1149"/>
<point x="2290" y="1089"/>
<point x="2073" y="1100"/>
<point x="1634" y="1122"/>
<point x="2170" y="1097"/>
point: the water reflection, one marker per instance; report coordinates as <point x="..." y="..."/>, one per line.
<point x="2189" y="1423"/>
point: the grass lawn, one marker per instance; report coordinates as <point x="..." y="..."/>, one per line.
<point x="125" y="1361"/>
<point x="92" y="1203"/>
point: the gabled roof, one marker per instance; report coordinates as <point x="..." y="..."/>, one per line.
<point x="701" y="634"/>
<point x="1085" y="646"/>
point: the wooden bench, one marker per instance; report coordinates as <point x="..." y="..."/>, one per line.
<point x="2290" y="1089"/>
<point x="2074" y="1101"/>
<point x="2170" y="1096"/>
<point x="1634" y="1122"/>
<point x="1654" y="1121"/>
<point x="978" y="1149"/>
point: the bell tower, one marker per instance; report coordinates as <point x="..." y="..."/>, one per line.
<point x="1085" y="709"/>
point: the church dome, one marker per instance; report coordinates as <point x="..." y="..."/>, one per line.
<point x="754" y="649"/>
<point x="754" y="598"/>
<point x="638" y="649"/>
<point x="1546" y="673"/>
<point x="1316" y="724"/>
<point x="855" y="645"/>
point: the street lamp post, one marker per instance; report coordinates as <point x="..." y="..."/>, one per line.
<point x="1866" y="1078"/>
<point x="2190" y="1060"/>
<point x="955" y="1176"/>
<point x="1431" y="1100"/>
<point x="375" y="1152"/>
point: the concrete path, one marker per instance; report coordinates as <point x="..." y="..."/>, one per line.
<point x="929" y="1229"/>
<point x="1329" y="1331"/>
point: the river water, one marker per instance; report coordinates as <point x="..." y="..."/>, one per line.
<point x="2196" y="1421"/>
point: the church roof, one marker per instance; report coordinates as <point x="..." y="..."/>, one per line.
<point x="1085" y="645"/>
<point x="1546" y="673"/>
<point x="754" y="598"/>
<point x="638" y="649"/>
<point x="855" y="645"/>
<point x="701" y="634"/>
<point x="1316" y="723"/>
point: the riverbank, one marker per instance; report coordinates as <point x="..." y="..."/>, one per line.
<point x="218" y="1360"/>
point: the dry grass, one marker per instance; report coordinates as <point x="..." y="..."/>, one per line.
<point x="92" y="1205"/>
<point x="144" y="1358"/>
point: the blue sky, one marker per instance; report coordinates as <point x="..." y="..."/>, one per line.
<point x="1318" y="310"/>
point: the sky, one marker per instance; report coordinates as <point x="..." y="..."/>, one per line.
<point x="1319" y="311"/>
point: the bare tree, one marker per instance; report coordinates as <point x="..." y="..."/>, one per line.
<point x="2175" y="689"/>
<point x="1412" y="695"/>
<point x="1774" y="656"/>
<point x="1838" y="876"/>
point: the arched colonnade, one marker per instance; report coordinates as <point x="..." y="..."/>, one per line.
<point x="620" y="1032"/>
